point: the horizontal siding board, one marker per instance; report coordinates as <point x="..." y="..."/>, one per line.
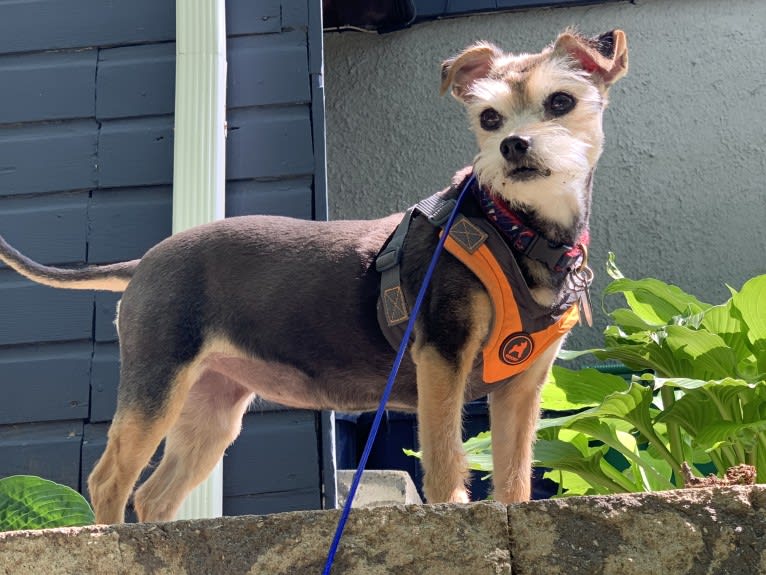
<point x="106" y="312"/>
<point x="50" y="86"/>
<point x="263" y="70"/>
<point x="269" y="143"/>
<point x="104" y="379"/>
<point x="460" y="6"/>
<point x="32" y="25"/>
<point x="265" y="503"/>
<point x="32" y="386"/>
<point x="295" y="14"/>
<point x="291" y="197"/>
<point x="48" y="157"/>
<point x="136" y="81"/>
<point x="248" y="17"/>
<point x="31" y="313"/>
<point x="268" y="70"/>
<point x="35" y="25"/>
<point x="49" y="450"/>
<point x="50" y="229"/>
<point x="136" y="152"/>
<point x="262" y="143"/>
<point x="256" y="462"/>
<point x="124" y="223"/>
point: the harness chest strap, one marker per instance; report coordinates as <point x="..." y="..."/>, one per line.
<point x="509" y="349"/>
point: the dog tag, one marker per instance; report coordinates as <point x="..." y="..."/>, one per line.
<point x="579" y="282"/>
<point x="585" y="306"/>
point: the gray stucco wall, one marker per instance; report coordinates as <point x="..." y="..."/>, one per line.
<point x="679" y="193"/>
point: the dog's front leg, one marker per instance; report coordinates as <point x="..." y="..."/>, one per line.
<point x="441" y="379"/>
<point x="441" y="388"/>
<point x="514" y="411"/>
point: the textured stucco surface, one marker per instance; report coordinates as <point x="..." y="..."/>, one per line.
<point x="679" y="192"/>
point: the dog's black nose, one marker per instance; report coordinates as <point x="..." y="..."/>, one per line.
<point x="514" y="148"/>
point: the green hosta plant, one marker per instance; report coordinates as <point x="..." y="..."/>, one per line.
<point x="29" y="502"/>
<point x="700" y="398"/>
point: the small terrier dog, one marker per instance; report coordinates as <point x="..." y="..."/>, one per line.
<point x="285" y="310"/>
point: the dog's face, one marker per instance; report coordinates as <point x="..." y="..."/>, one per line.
<point x="537" y="118"/>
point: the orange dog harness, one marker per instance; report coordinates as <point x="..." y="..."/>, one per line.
<point x="521" y="330"/>
<point x="513" y="344"/>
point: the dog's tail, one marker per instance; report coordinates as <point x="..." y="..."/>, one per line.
<point x="111" y="277"/>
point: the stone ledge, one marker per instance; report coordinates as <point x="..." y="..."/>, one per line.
<point x="378" y="487"/>
<point x="700" y="531"/>
<point x="398" y="539"/>
<point x="684" y="532"/>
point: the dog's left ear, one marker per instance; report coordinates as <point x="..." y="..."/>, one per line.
<point x="471" y="64"/>
<point x="605" y="57"/>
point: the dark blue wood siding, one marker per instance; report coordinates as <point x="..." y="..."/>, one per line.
<point x="86" y="166"/>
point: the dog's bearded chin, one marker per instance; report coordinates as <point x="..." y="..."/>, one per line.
<point x="559" y="197"/>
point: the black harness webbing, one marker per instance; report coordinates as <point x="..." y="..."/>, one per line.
<point x="437" y="210"/>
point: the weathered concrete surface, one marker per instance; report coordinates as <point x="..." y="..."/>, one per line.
<point x="378" y="487"/>
<point x="700" y="531"/>
<point x="417" y="540"/>
<point x="689" y="532"/>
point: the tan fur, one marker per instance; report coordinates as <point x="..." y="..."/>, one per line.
<point x="441" y="388"/>
<point x="132" y="440"/>
<point x="513" y="414"/>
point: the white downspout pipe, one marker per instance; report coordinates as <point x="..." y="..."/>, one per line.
<point x="199" y="158"/>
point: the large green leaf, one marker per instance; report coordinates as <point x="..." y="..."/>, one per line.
<point x="570" y="484"/>
<point x="608" y="432"/>
<point x="750" y="304"/>
<point x="568" y="390"/>
<point x="640" y="350"/>
<point x="563" y="455"/>
<point x="478" y="451"/>
<point x="28" y="502"/>
<point x="630" y="322"/>
<point x="654" y="301"/>
<point x="631" y="405"/>
<point x="702" y="355"/>
<point x="701" y="406"/>
<point x="724" y="321"/>
<point x="721" y="432"/>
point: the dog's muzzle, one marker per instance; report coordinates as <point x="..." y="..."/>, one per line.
<point x="522" y="167"/>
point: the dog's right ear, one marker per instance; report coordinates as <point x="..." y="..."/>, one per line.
<point x="470" y="65"/>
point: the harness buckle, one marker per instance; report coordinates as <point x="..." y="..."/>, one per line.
<point x="387" y="259"/>
<point x="540" y="249"/>
<point x="436" y="209"/>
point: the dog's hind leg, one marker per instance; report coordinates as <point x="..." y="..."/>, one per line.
<point x="136" y="431"/>
<point x="210" y="420"/>
<point x="514" y="411"/>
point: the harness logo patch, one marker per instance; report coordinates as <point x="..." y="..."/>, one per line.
<point x="516" y="348"/>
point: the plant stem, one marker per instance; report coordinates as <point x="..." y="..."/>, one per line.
<point x="674" y="431"/>
<point x="717" y="461"/>
<point x="655" y="440"/>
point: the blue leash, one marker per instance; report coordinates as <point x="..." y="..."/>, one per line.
<point x="390" y="383"/>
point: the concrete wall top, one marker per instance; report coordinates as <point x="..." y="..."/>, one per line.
<point x="686" y="532"/>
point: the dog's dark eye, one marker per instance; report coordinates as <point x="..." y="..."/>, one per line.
<point x="559" y="103"/>
<point x="491" y="119"/>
